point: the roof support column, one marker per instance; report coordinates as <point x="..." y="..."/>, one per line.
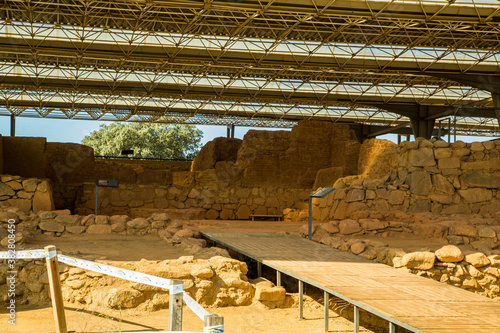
<point x="230" y="131"/>
<point x="12" y="125"/>
<point x="421" y="126"/>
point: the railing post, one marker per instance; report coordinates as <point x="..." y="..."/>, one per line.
<point x="278" y="278"/>
<point x="392" y="328"/>
<point x="327" y="310"/>
<point x="175" y="306"/>
<point x="301" y="299"/>
<point x="356" y="319"/>
<point x="55" y="289"/>
<point x="213" y="324"/>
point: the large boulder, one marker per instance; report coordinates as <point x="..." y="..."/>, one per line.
<point x="449" y="253"/>
<point x="119" y="298"/>
<point x="43" y="200"/>
<point x="419" y="260"/>
<point x="348" y="227"/>
<point x="477" y="259"/>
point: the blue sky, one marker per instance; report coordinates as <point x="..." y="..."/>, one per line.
<point x="64" y="130"/>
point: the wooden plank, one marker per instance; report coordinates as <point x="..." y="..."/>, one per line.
<point x="55" y="289"/>
<point x="409" y="301"/>
<point x="175" y="306"/>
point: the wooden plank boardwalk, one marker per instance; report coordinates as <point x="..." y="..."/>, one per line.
<point x="406" y="300"/>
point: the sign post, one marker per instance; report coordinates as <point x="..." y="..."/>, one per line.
<point x="103" y="183"/>
<point x="321" y="193"/>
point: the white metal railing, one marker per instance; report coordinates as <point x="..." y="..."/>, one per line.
<point x="212" y="323"/>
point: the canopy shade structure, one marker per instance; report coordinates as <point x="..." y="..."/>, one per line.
<point x="254" y="63"/>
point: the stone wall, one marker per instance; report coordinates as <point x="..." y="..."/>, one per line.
<point x="470" y="261"/>
<point x="424" y="176"/>
<point x="28" y="194"/>
<point x="190" y="202"/>
<point x="209" y="274"/>
<point x="293" y="159"/>
<point x="68" y="165"/>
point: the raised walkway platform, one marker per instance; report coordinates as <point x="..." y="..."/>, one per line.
<point x="403" y="299"/>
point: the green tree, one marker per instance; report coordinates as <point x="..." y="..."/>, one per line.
<point x="146" y="139"/>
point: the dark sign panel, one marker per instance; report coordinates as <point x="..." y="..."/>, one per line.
<point x="127" y="152"/>
<point x="106" y="183"/>
<point x="323" y="192"/>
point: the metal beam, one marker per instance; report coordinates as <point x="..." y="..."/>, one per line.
<point x="488" y="82"/>
<point x="496" y="103"/>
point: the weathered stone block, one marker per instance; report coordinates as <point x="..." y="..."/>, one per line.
<point x="421" y="206"/>
<point x="42" y="200"/>
<point x="68" y="219"/>
<point x="474" y="195"/>
<point x="49" y="225"/>
<point x="421" y="157"/>
<point x="348" y="227"/>
<point x="463" y="230"/>
<point x="243" y="212"/>
<point x="124" y="298"/>
<point x="420" y="182"/>
<point x="419" y="260"/>
<point x="476" y="146"/>
<point x="397" y="197"/>
<point x="479" y="179"/>
<point x="265" y="293"/>
<point x="449" y="163"/>
<point x="355" y="195"/>
<point x="477" y="259"/>
<point x="449" y="253"/>
<point x="442" y="198"/>
<point x="22" y="204"/>
<point x="6" y="190"/>
<point x="442" y="184"/>
<point x="226" y="214"/>
<point x="99" y="229"/>
<point x="442" y="153"/>
<point x="30" y="184"/>
<point x="138" y="223"/>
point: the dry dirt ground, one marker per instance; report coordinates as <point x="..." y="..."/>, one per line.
<point x="253" y="318"/>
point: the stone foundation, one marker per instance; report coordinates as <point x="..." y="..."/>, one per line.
<point x="197" y="202"/>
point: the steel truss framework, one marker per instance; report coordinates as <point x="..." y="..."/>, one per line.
<point x="252" y="63"/>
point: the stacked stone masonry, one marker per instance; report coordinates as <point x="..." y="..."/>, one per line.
<point x="471" y="260"/>
<point x="28" y="194"/>
<point x="425" y="176"/>
<point x="191" y="202"/>
<point x="209" y="274"/>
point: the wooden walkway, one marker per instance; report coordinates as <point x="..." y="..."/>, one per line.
<point x="406" y="300"/>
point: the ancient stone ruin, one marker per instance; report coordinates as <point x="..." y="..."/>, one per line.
<point x="427" y="189"/>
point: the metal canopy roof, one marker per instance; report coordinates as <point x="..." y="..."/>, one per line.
<point x="252" y="63"/>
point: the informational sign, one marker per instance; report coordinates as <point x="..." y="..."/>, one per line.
<point x="321" y="193"/>
<point x="106" y="183"/>
<point x="127" y="152"/>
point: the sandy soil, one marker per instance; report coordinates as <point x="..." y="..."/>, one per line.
<point x="253" y="318"/>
